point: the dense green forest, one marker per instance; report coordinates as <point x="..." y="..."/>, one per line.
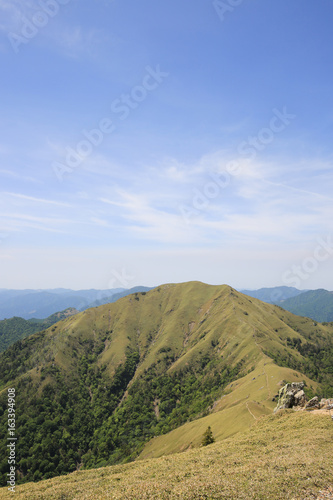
<point x="57" y="424"/>
<point x="315" y="304"/>
<point x="85" y="424"/>
<point x="14" y="329"/>
<point x="156" y="404"/>
<point x="317" y="358"/>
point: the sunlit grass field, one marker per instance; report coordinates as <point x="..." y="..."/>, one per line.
<point x="283" y="456"/>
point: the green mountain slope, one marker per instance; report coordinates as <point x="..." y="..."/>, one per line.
<point x="96" y="387"/>
<point x="315" y="304"/>
<point x="14" y="329"/>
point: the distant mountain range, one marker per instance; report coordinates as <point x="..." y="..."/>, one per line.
<point x="41" y="304"/>
<point x="273" y="295"/>
<point x="314" y="304"/>
<point x="117" y="296"/>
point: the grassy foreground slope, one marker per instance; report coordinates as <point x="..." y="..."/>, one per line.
<point x="284" y="456"/>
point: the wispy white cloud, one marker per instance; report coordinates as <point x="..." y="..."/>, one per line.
<point x="15" y="222"/>
<point x="36" y="200"/>
<point x="77" y="41"/>
<point x="26" y="217"/>
<point x="251" y="204"/>
<point x="72" y="41"/>
<point x="99" y="222"/>
<point x="308" y="193"/>
<point x="259" y="203"/>
<point x="148" y="222"/>
<point x="13" y="13"/>
<point x="16" y="175"/>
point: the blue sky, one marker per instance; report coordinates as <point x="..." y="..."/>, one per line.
<point x="151" y="142"/>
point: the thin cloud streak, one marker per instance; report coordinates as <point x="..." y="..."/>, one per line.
<point x="36" y="200"/>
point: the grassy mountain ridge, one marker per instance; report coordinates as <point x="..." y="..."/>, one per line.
<point x="97" y="386"/>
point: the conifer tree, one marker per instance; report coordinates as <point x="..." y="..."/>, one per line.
<point x="208" y="437"/>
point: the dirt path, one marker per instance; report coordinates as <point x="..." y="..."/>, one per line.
<point x="248" y="409"/>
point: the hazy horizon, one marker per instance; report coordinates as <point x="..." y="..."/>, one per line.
<point x="138" y="285"/>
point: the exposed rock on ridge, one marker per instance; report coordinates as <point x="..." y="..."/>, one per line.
<point x="292" y="395"/>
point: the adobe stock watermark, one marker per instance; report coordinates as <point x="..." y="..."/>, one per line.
<point x="31" y="27"/>
<point x="224" y="7"/>
<point x="248" y="149"/>
<point x="121" y="107"/>
<point x="120" y="278"/>
<point x="299" y="273"/>
<point x="12" y="438"/>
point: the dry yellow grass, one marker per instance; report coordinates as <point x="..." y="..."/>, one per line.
<point x="284" y="456"/>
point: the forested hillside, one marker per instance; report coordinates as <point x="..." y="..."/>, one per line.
<point x="315" y="304"/>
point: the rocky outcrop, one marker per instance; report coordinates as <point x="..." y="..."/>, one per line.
<point x="291" y="395"/>
<point x="313" y="403"/>
<point x="300" y="398"/>
<point x="323" y="404"/>
<point x="326" y="404"/>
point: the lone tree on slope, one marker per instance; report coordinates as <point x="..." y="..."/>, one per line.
<point x="208" y="437"/>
